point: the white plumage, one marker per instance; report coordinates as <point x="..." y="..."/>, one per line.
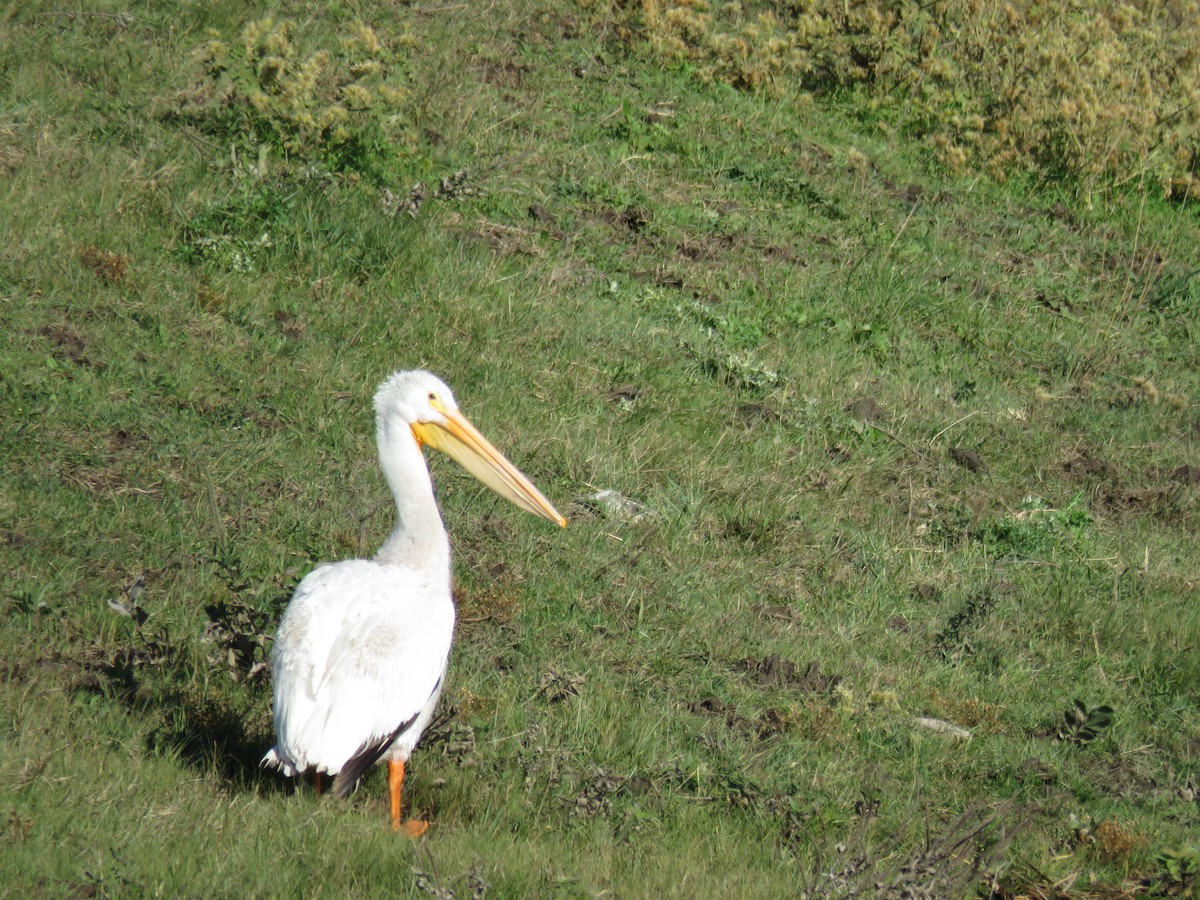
<point x="360" y="657"/>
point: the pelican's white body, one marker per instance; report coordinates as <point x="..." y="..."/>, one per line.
<point x="363" y="646"/>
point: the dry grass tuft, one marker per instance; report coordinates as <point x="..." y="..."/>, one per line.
<point x="111" y="268"/>
<point x="1115" y="842"/>
<point x="1087" y="92"/>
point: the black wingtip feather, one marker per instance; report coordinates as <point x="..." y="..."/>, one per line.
<point x="368" y="754"/>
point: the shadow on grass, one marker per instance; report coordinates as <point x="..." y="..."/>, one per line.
<point x="206" y="727"/>
<point x="211" y="737"/>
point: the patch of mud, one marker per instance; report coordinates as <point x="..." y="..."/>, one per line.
<point x="773" y="670"/>
<point x="756" y="413"/>
<point x="1110" y="490"/>
<point x="1118" y="776"/>
<point x="779" y="612"/>
<point x="865" y="409"/>
<point x="767" y="724"/>
<point x="968" y="459"/>
<point x="68" y="345"/>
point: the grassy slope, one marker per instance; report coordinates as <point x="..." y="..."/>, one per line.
<point x="209" y="428"/>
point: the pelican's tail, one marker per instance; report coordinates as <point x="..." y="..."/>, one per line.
<point x="274" y="759"/>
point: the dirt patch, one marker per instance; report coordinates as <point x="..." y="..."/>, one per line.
<point x="1123" y="500"/>
<point x="492" y="603"/>
<point x="839" y="454"/>
<point x="107" y="482"/>
<point x="757" y="413"/>
<point x="775" y="671"/>
<point x="704" y="247"/>
<point x="1117" y="776"/>
<point x="968" y="459"/>
<point x="1109" y="492"/>
<point x="778" y="612"/>
<point x="1037" y="773"/>
<point x="597" y="794"/>
<point x="292" y="328"/>
<point x="1084" y="465"/>
<point x="503" y="73"/>
<point x="505" y="239"/>
<point x="75" y="667"/>
<point x="926" y="592"/>
<point x="909" y="195"/>
<point x="121" y="441"/>
<point x="769" y="723"/>
<point x="1187" y="475"/>
<point x="625" y="392"/>
<point x="68" y="344"/>
<point x="633" y="219"/>
<point x="14" y="539"/>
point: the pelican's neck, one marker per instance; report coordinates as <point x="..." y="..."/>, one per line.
<point x="419" y="538"/>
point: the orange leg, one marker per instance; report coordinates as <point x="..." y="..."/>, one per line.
<point x="413" y="827"/>
<point x="318" y="783"/>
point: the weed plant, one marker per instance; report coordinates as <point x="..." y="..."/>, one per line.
<point x="1091" y="94"/>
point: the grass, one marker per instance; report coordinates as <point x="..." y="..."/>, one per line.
<point x="933" y="435"/>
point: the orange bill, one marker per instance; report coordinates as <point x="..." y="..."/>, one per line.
<point x="460" y="440"/>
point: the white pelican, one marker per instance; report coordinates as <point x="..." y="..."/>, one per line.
<point x="361" y="654"/>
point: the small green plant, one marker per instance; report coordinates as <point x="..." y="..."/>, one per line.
<point x="237" y="233"/>
<point x="725" y="352"/>
<point x="1082" y="725"/>
<point x="341" y="106"/>
<point x="1036" y="529"/>
<point x="1182" y="865"/>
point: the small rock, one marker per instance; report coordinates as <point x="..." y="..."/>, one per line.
<point x="865" y="409"/>
<point x="941" y="726"/>
<point x="617" y="505"/>
<point x="625" y="392"/>
<point x="968" y="459"/>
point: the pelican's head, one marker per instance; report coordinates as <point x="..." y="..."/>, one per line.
<point x="426" y="405"/>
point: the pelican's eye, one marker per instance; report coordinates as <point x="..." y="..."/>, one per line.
<point x="436" y="403"/>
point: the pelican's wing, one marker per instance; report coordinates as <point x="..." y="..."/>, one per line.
<point x="361" y="651"/>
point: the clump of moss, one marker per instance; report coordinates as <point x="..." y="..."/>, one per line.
<point x="341" y="105"/>
<point x="1079" y="90"/>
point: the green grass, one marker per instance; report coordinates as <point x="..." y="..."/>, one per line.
<point x="758" y="316"/>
